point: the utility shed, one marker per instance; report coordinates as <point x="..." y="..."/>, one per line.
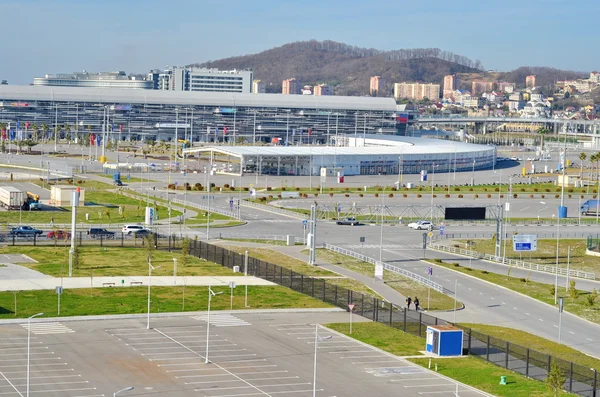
<point x="444" y="340"/>
<point x="61" y="195"/>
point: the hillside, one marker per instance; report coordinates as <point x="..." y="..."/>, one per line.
<point x="349" y="68"/>
<point x="346" y="68"/>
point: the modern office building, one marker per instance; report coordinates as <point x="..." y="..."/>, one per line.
<point x="291" y="87"/>
<point x="322" y="89"/>
<point x="199" y="116"/>
<point x="417" y="91"/>
<point x="205" y="80"/>
<point x="376" y="86"/>
<point x="95" y="80"/>
<point x="258" y="87"/>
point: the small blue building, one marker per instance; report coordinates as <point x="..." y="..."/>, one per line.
<point x="444" y="340"/>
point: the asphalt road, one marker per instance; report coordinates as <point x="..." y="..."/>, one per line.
<point x="266" y="354"/>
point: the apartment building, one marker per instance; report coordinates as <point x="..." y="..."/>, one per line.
<point x="530" y="81"/>
<point x="291" y="87"/>
<point x="450" y="85"/>
<point x="322" y="89"/>
<point x="376" y="85"/>
<point x="417" y="91"/>
<point x="258" y="87"/>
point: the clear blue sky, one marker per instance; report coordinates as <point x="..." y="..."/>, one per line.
<point x="40" y="37"/>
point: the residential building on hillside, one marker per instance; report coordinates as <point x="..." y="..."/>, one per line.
<point x="376" y="85"/>
<point x="205" y="80"/>
<point x="258" y="87"/>
<point x="95" y="80"/>
<point x="472" y="102"/>
<point x="458" y="96"/>
<point x="450" y="85"/>
<point x="530" y="81"/>
<point x="505" y="86"/>
<point x="479" y="87"/>
<point x="595" y="77"/>
<point x="322" y="89"/>
<point x="417" y="91"/>
<point x="291" y="87"/>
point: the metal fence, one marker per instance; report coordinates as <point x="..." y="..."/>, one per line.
<point x="488" y="235"/>
<point x="246" y="236"/>
<point x="593" y="242"/>
<point x="513" y="262"/>
<point x="580" y="380"/>
<point x="386" y="266"/>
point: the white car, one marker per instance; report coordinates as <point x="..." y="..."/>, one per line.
<point x="129" y="229"/>
<point x="421" y="225"/>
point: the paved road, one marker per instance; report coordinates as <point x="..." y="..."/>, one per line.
<point x="250" y="354"/>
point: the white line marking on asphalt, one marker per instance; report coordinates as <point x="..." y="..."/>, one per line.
<point x="540" y="319"/>
<point x="555" y="326"/>
<point x="246" y="387"/>
<point x="528" y="314"/>
<point x="434" y="385"/>
<point x="503" y="303"/>
<point x="379" y="355"/>
<point x="492" y="298"/>
<point x="514" y="308"/>
<point x="373" y="362"/>
<point x="13" y="386"/>
<point x="60" y="391"/>
<point x="351" y="351"/>
<point x="588" y="339"/>
<point x="572" y="333"/>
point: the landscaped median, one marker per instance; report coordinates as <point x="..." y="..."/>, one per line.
<point x="468" y="370"/>
<point x="581" y="303"/>
<point x="131" y="300"/>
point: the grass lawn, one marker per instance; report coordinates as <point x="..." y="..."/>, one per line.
<point x="542" y="292"/>
<point x="114" y="261"/>
<point x="383" y="337"/>
<point x="546" y="253"/>
<point x="485" y="376"/>
<point x="536" y="343"/>
<point x="126" y="300"/>
<point x="304" y="268"/>
<point x="401" y="284"/>
<point x="468" y="370"/>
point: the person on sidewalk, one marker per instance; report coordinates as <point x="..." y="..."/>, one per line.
<point x="408" y="300"/>
<point x="416" y="303"/>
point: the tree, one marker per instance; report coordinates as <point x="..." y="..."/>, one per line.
<point x="592" y="161"/>
<point x="45" y="130"/>
<point x="185" y="251"/>
<point x="591" y="298"/>
<point x="582" y="157"/>
<point x="29" y="143"/>
<point x="77" y="258"/>
<point x="541" y="132"/>
<point x="149" y="246"/>
<point x="556" y="378"/>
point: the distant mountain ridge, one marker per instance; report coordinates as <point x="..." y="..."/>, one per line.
<point x="349" y="68"/>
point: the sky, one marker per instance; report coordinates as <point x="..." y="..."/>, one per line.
<point x="63" y="36"/>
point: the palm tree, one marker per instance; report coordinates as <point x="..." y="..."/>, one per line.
<point x="67" y="129"/>
<point x="45" y="130"/>
<point x="582" y="157"/>
<point x="542" y="131"/>
<point x="35" y="129"/>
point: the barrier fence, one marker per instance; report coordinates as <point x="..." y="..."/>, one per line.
<point x="580" y="380"/>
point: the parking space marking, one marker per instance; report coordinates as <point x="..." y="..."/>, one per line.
<point x="48" y="328"/>
<point x="222" y="320"/>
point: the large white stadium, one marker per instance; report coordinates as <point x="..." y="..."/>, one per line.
<point x="356" y="155"/>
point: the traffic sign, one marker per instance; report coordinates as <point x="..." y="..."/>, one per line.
<point x="305" y="222"/>
<point x="441" y="229"/>
<point x="351" y="306"/>
<point x="524" y="242"/>
<point x="59" y="290"/>
<point x="362" y="239"/>
<point x="430" y="234"/>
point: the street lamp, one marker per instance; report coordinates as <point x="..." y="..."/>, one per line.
<point x="500" y="185"/>
<point x="317" y="340"/>
<point x="115" y="394"/>
<point x="432" y="184"/>
<point x="473" y="178"/>
<point x="211" y="293"/>
<point x="174" y="271"/>
<point x="150" y="268"/>
<point x="29" y="345"/>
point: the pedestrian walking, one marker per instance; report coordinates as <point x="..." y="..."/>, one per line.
<point x="416" y="303"/>
<point x="408" y="301"/>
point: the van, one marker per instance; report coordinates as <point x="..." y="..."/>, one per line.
<point x="129" y="229"/>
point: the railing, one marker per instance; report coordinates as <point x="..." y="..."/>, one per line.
<point x="512" y="262"/>
<point x="206" y="208"/>
<point x="488" y="235"/>
<point x="386" y="266"/>
<point x="246" y="236"/>
<point x="271" y="208"/>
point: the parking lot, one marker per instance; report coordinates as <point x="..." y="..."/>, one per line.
<point x="267" y="354"/>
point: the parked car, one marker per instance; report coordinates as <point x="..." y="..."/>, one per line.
<point x="348" y="221"/>
<point x="59" y="235"/>
<point x="97" y="232"/>
<point x="129" y="229"/>
<point x="421" y="225"/>
<point x="25" y="231"/>
<point x="142" y="233"/>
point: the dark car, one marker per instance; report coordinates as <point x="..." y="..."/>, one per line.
<point x="25" y="231"/>
<point x="348" y="222"/>
<point x="97" y="232"/>
<point x="142" y="233"/>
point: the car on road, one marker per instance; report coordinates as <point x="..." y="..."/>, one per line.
<point x="421" y="225"/>
<point x="97" y="232"/>
<point x="130" y="229"/>
<point x="25" y="231"/>
<point x="143" y="233"/>
<point x="59" y="235"/>
<point x="348" y="222"/>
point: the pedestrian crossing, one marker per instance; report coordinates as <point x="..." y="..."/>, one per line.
<point x="48" y="328"/>
<point x="222" y="320"/>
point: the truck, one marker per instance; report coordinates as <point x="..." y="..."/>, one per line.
<point x="590" y="207"/>
<point x="33" y="202"/>
<point x="11" y="197"/>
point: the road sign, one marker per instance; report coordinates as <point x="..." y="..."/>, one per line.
<point x="430" y="234"/>
<point x="59" y="290"/>
<point x="524" y="242"/>
<point x="424" y="240"/>
<point x="232" y="284"/>
<point x="305" y="222"/>
<point x="561" y="304"/>
<point x="351" y="306"/>
<point x="362" y="239"/>
<point x="442" y="230"/>
<point x="507" y="206"/>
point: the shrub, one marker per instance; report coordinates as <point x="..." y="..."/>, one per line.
<point x="419" y="195"/>
<point x="522" y="189"/>
<point x="380" y="189"/>
<point x="376" y="194"/>
<point x="330" y="194"/>
<point x="501" y="196"/>
<point x="581" y="196"/>
<point x="570" y="190"/>
<point x="231" y="188"/>
<point x="489" y="196"/>
<point x="346" y="189"/>
<point x="547" y="190"/>
<point x="298" y="189"/>
<point x="573" y="293"/>
<point x="535" y="189"/>
<point x="391" y="195"/>
<point x="470" y="189"/>
<point x="476" y="195"/>
<point x="283" y="188"/>
<point x="361" y="195"/>
<point x="279" y="196"/>
<point x="523" y="280"/>
<point x="212" y="186"/>
<point x="485" y="189"/>
<point x="316" y="194"/>
<point x="485" y="272"/>
<point x="438" y="260"/>
<point x="531" y="196"/>
<point x="515" y="195"/>
<point x="557" y="189"/>
<point x="460" y="196"/>
<point x="543" y="196"/>
<point x="497" y="189"/>
<point x="551" y="289"/>
<point x="270" y="197"/>
<point x="394" y="189"/>
<point x="226" y="185"/>
<point x="405" y="195"/>
<point x="591" y="298"/>
<point x="456" y="264"/>
<point x="557" y="196"/>
<point x="468" y="269"/>
<point x="435" y="195"/>
<point x="457" y="189"/>
<point x="447" y="196"/>
<point x="171" y="186"/>
<point x="570" y="195"/>
<point x="346" y="195"/>
<point x="247" y="188"/>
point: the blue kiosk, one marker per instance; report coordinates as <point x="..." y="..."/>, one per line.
<point x="444" y="340"/>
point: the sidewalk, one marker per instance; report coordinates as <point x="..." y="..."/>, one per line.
<point x="51" y="283"/>
<point x="294" y="251"/>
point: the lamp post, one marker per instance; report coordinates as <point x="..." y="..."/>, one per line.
<point x="174" y="271"/>
<point x="115" y="394"/>
<point x="432" y="184"/>
<point x="500" y="185"/>
<point x="317" y="340"/>
<point x="150" y="268"/>
<point x="29" y="345"/>
<point x="473" y="177"/>
<point x="211" y="293"/>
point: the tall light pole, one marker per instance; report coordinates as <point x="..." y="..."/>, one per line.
<point x="473" y="177"/>
<point x="29" y="345"/>
<point x="381" y="228"/>
<point x="211" y="293"/>
<point x="150" y="268"/>
<point x="432" y="181"/>
<point x="557" y="245"/>
<point x="317" y="340"/>
<point x="115" y="394"/>
<point x="499" y="186"/>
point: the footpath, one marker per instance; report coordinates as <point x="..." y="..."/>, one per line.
<point x="295" y="251"/>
